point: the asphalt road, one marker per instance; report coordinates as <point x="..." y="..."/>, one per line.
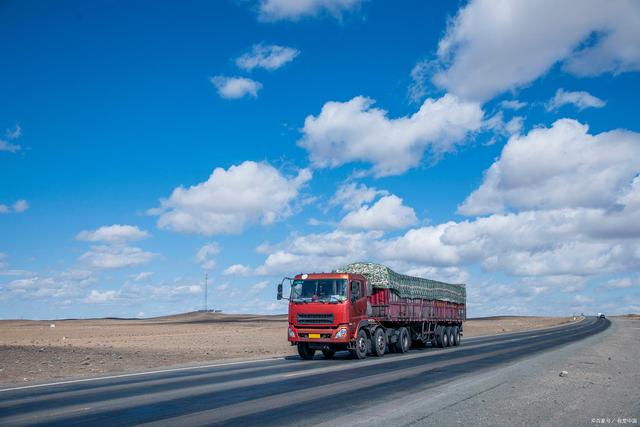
<point x="276" y="391"/>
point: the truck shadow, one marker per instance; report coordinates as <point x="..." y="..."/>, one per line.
<point x="345" y="355"/>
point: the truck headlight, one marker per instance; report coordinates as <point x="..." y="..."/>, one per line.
<point x="291" y="333"/>
<point x="341" y="333"/>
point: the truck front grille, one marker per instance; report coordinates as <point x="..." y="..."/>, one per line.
<point x="315" y="319"/>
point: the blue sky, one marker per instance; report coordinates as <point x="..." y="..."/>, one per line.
<point x="147" y="144"/>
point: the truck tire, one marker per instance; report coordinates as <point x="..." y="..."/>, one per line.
<point x="379" y="343"/>
<point x="456" y="336"/>
<point x="362" y="345"/>
<point x="451" y="337"/>
<point x="439" y="342"/>
<point x="305" y="352"/>
<point x="445" y="337"/>
<point x="328" y="354"/>
<point x="404" y="340"/>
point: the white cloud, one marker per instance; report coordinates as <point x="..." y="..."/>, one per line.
<point x="259" y="286"/>
<point x="354" y="131"/>
<point x="315" y="222"/>
<point x="514" y="126"/>
<point x="143" y="275"/>
<point x="66" y="284"/>
<point x="6" y="271"/>
<point x="492" y="47"/>
<point x="583" y="299"/>
<point x="580" y="99"/>
<point x="420" y="74"/>
<point x="222" y="287"/>
<point x="164" y="292"/>
<point x="205" y="255"/>
<point x="115" y="256"/>
<point x="388" y="213"/>
<point x="531" y="243"/>
<point x="11" y="135"/>
<point x="100" y="297"/>
<point x="422" y="246"/>
<point x="443" y="274"/>
<point x="114" y="253"/>
<point x="293" y="10"/>
<point x="115" y="233"/>
<point x="236" y="87"/>
<point x="561" y="166"/>
<point x="207" y="250"/>
<point x="237" y="270"/>
<point x="269" y="57"/>
<point x="231" y="199"/>
<point x="513" y="104"/>
<point x="575" y="202"/>
<point x="18" y="207"/>
<point x="7" y="146"/>
<point x="351" y="196"/>
<point x="578" y="197"/>
<point x="566" y="242"/>
<point x="317" y="252"/>
<point x="622" y="283"/>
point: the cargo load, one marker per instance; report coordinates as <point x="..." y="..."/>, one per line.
<point x="380" y="276"/>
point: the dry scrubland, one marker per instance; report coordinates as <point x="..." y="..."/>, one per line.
<point x="33" y="350"/>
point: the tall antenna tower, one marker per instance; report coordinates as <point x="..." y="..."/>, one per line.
<point x="206" y="278"/>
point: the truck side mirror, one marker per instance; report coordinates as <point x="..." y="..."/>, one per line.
<point x="279" y="296"/>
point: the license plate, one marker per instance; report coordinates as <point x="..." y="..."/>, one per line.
<point x="314" y="335"/>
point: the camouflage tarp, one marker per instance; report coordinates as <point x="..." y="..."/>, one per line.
<point x="380" y="276"/>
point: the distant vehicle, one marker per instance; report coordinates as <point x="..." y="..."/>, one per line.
<point x="601" y="315"/>
<point x="368" y="308"/>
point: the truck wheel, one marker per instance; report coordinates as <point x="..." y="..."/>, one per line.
<point x="305" y="352"/>
<point x="328" y="354"/>
<point x="362" y="346"/>
<point x="404" y="341"/>
<point x="445" y="337"/>
<point x="451" y="337"/>
<point x="456" y="336"/>
<point x="379" y="342"/>
<point x="439" y="337"/>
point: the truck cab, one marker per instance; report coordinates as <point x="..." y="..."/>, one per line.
<point x="325" y="312"/>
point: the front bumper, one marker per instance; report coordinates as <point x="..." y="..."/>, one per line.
<point x="318" y="335"/>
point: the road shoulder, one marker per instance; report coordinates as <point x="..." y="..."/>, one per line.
<point x="602" y="380"/>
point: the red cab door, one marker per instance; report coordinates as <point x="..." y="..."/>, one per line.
<point x="357" y="301"/>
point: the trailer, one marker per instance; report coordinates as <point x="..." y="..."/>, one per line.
<point x="369" y="309"/>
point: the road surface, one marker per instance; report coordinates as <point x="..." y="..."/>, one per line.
<point x="278" y="391"/>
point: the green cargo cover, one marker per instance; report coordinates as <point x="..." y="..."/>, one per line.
<point x="380" y="276"/>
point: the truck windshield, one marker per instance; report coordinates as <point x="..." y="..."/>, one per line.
<point x="324" y="290"/>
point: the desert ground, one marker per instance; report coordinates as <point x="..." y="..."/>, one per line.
<point x="32" y="351"/>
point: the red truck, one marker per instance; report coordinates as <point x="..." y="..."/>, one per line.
<point x="368" y="308"/>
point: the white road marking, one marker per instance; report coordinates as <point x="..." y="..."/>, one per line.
<point x="188" y="368"/>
